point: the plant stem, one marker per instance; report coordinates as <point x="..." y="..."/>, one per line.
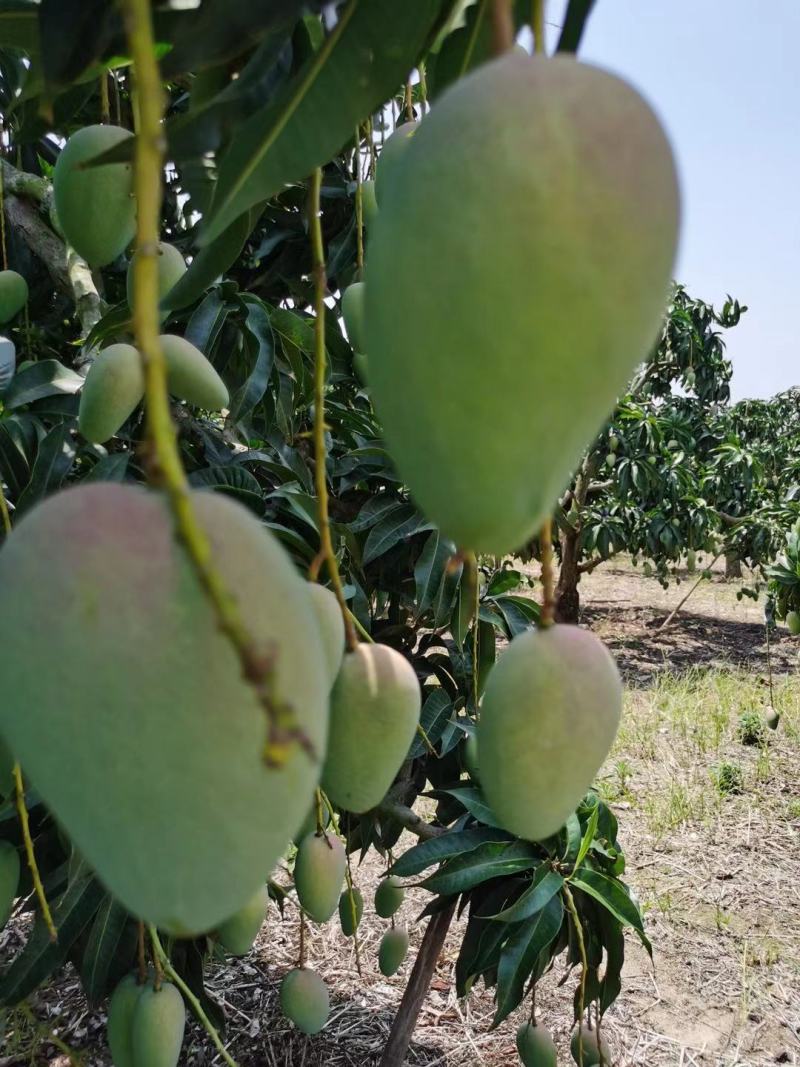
<point x="27" y="840"/>
<point x="359" y="208"/>
<point x="105" y="108"/>
<point x="326" y="552"/>
<point x="548" y="577"/>
<point x="576" y="921"/>
<point x="502" y="26"/>
<point x="301" y="957"/>
<point x="409" y="102"/>
<point x="537" y="25"/>
<point x="4" y="511"/>
<point x="165" y="466"/>
<point x="353" y="913"/>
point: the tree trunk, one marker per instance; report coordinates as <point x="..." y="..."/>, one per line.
<point x="417" y="989"/>
<point x="733" y="566"/>
<point x="568" y="601"/>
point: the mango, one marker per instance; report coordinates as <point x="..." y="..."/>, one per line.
<point x="392" y="154"/>
<point x="309" y="823"/>
<point x="121" y="1007"/>
<point x="586" y="1048"/>
<point x="238" y="933"/>
<point x="8" y="363"/>
<point x="95" y="206"/>
<point x="113" y="389"/>
<point x="171" y="268"/>
<point x="516" y="275"/>
<point x="13" y="294"/>
<point x="375" y="706"/>
<point x="469" y="757"/>
<point x="772" y="717"/>
<point x="9" y="879"/>
<point x="535" y="1046"/>
<point x="369" y="202"/>
<point x="793" y="622"/>
<point x="392" y="950"/>
<point x="346" y="907"/>
<point x="159" y="1020"/>
<point x="361" y="367"/>
<point x="691" y="561"/>
<point x="305" y="1000"/>
<point x="331" y="626"/>
<point x="318" y="875"/>
<point x="548" y="719"/>
<point x="353" y="315"/>
<point x="142" y="698"/>
<point x="190" y="376"/>
<point x="388" y="897"/>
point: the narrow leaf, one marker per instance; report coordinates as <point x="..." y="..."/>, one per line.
<point x="106" y="933"/>
<point x="546" y="883"/>
<point x="520" y="955"/>
<point x="610" y="893"/>
<point x="490" y="860"/>
<point x="445" y="847"/>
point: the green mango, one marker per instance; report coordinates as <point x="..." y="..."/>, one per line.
<point x="548" y="719"/>
<point x="331" y="626"/>
<point x="516" y="275"/>
<point x="121" y="1007"/>
<point x="388" y="897"/>
<point x="113" y="389"/>
<point x="353" y="315"/>
<point x="535" y="1046"/>
<point x="469" y="757"/>
<point x="95" y="205"/>
<point x="647" y="569"/>
<point x="13" y="294"/>
<point x="392" y="950"/>
<point x="369" y="202"/>
<point x="9" y="879"/>
<point x="238" y="933"/>
<point x="159" y="1020"/>
<point x="171" y="268"/>
<point x="586" y="1048"/>
<point x="392" y="154"/>
<point x="691" y="561"/>
<point x="772" y="717"/>
<point x="190" y="376"/>
<point x="793" y="622"/>
<point x="318" y="875"/>
<point x="361" y="367"/>
<point x="129" y="658"/>
<point x="346" y="906"/>
<point x="305" y="1000"/>
<point x="375" y="706"/>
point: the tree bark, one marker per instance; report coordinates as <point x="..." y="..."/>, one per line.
<point x="733" y="566"/>
<point x="568" y="599"/>
<point x="416" y="990"/>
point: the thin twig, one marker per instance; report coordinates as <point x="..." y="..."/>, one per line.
<point x="548" y="576"/>
<point x="502" y="26"/>
<point x="30" y="855"/>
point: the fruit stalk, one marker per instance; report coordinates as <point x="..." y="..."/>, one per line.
<point x="576" y="922"/>
<point x="537" y="25"/>
<point x="359" y="209"/>
<point x="22" y="812"/>
<point x="548" y="578"/>
<point x="326" y="552"/>
<point x="502" y="26"/>
<point x="165" y="467"/>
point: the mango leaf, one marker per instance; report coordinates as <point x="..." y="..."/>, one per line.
<point x="369" y="52"/>
<point x="111" y="468"/>
<point x="73" y="33"/>
<point x="435" y="713"/>
<point x="439" y="849"/>
<point x="106" y="933"/>
<point x="490" y="860"/>
<point x="393" y="528"/>
<point x="48" y="377"/>
<point x="545" y="884"/>
<point x="611" y="894"/>
<point x="588" y="836"/>
<point x="575" y="19"/>
<point x="430" y="570"/>
<point x="473" y="801"/>
<point x="53" y="463"/>
<point x="18" y="443"/>
<point x="233" y="480"/>
<point x="211" y="261"/>
<point x="260" y="345"/>
<point x="520" y="954"/>
<point x="207" y="321"/>
<point x="19" y="25"/>
<point x="375" y="509"/>
<point x="519" y="613"/>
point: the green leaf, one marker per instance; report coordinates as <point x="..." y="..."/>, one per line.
<point x="260" y="343"/>
<point x="106" y="933"/>
<point x="575" y="19"/>
<point x="211" y="261"/>
<point x="53" y="463"/>
<point x="473" y="801"/>
<point x="111" y="468"/>
<point x="546" y="883"/>
<point x="435" y="712"/>
<point x="19" y="25"/>
<point x="611" y="894"/>
<point x="398" y="525"/>
<point x="430" y="570"/>
<point x="369" y="52"/>
<point x="491" y="860"/>
<point x="48" y="377"/>
<point x="588" y="836"/>
<point x="233" y="480"/>
<point x="520" y="955"/>
<point x="519" y="613"/>
<point x="439" y="849"/>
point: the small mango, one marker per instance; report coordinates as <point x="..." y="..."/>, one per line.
<point x="119" y="1027"/>
<point x="535" y="1046"/>
<point x="190" y="376"/>
<point x="111" y="393"/>
<point x="392" y="950"/>
<point x="157" y="1026"/>
<point x="318" y="875"/>
<point x="13" y="294"/>
<point x="238" y="933"/>
<point x="347" y="906"/>
<point x="305" y="1000"/>
<point x="389" y="896"/>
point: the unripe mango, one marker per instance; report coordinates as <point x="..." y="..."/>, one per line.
<point x="691" y="561"/>
<point x="119" y="1029"/>
<point x="516" y="274"/>
<point x="8" y="363"/>
<point x="129" y="658"/>
<point x="238" y="933"/>
<point x="392" y="154"/>
<point x="346" y="906"/>
<point x="535" y="1046"/>
<point x="171" y="268"/>
<point x="375" y="706"/>
<point x="392" y="950"/>
<point x="369" y="202"/>
<point x="190" y="376"/>
<point x="159" y="1020"/>
<point x="9" y="879"/>
<point x="469" y="757"/>
<point x="353" y="315"/>
<point x="305" y="1000"/>
<point x="95" y="206"/>
<point x="388" y="897"/>
<point x="331" y="626"/>
<point x="548" y="719"/>
<point x="13" y="294"/>
<point x="111" y="393"/>
<point x="772" y="717"/>
<point x="318" y="875"/>
<point x="585" y="1048"/>
<point x="793" y="622"/>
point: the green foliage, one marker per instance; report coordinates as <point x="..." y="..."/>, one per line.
<point x="729" y="778"/>
<point x="751" y="728"/>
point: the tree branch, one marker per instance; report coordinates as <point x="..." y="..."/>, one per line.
<point x="409" y="819"/>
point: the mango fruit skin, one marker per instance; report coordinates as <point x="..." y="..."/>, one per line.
<point x="549" y="716"/>
<point x="190" y="376"/>
<point x="388" y="897"/>
<point x="305" y="1000"/>
<point x="369" y="202"/>
<point x="535" y="1046"/>
<point x="374" y="712"/>
<point x="318" y="875"/>
<point x="95" y="207"/>
<point x="237" y="934"/>
<point x="171" y="268"/>
<point x="392" y="951"/>
<point x="13" y="294"/>
<point x="121" y="1007"/>
<point x="353" y="315"/>
<point x="516" y="274"/>
<point x="346" y="911"/>
<point x="8" y="362"/>
<point x="331" y="626"/>
<point x="391" y="156"/>
<point x="793" y="622"/>
<point x="585" y="1048"/>
<point x="113" y="389"/>
<point x="159" y="1020"/>
<point x="9" y="879"/>
<point x="142" y="698"/>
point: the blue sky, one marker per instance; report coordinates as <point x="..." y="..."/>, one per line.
<point x="725" y="78"/>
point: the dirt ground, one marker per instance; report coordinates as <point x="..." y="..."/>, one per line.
<point x="717" y="872"/>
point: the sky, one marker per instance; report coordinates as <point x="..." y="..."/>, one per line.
<point x="724" y="77"/>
